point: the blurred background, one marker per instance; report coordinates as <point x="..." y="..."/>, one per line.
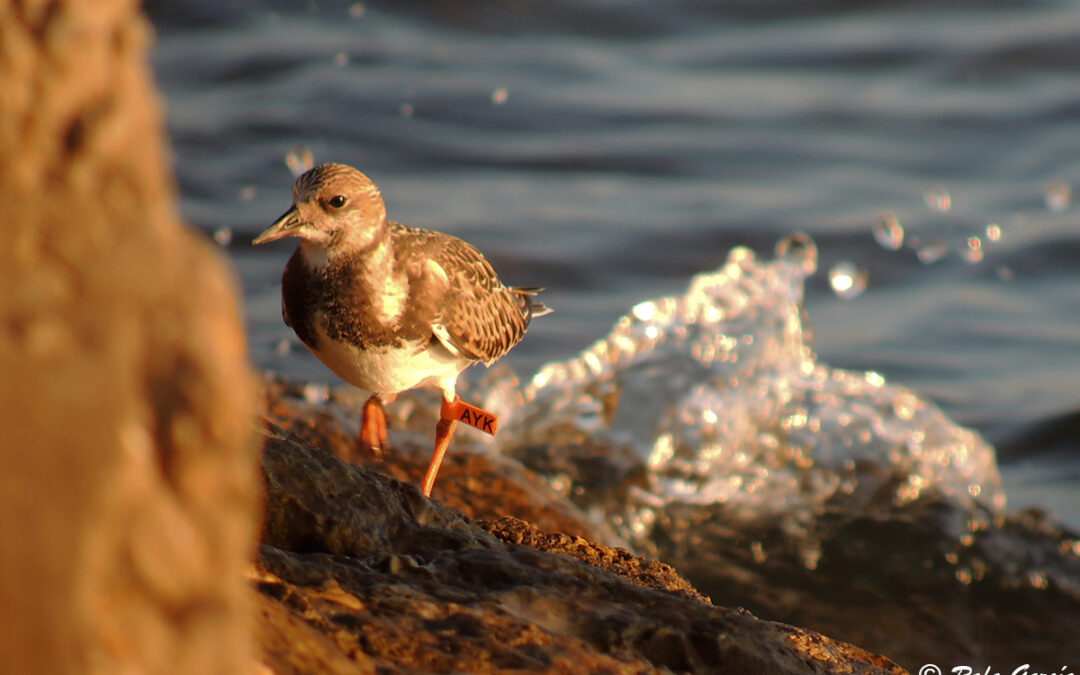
<point x="609" y="151"/>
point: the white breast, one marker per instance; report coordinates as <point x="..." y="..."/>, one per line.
<point x="386" y="370"/>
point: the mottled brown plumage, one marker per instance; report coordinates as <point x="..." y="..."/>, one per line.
<point x="385" y="306"/>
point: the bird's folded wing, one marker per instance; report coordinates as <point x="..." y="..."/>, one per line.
<point x="479" y="318"/>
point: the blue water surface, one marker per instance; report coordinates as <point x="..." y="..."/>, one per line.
<point x="609" y="151"/>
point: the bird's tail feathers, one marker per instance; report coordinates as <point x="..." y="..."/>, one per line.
<point x="526" y="295"/>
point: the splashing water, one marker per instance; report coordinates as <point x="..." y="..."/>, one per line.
<point x="1058" y="196"/>
<point x="937" y="199"/>
<point x="971" y="251"/>
<point x="299" y="159"/>
<point x="932" y="252"/>
<point x="848" y="280"/>
<point x="888" y="232"/>
<point x="720" y="396"/>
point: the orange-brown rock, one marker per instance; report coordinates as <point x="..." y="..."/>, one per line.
<point x="480" y="485"/>
<point x="891" y="578"/>
<point x="127" y="478"/>
<point x="359" y="567"/>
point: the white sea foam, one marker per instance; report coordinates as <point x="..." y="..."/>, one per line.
<point x="719" y="393"/>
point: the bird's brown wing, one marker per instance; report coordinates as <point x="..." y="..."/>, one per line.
<point x="477" y="315"/>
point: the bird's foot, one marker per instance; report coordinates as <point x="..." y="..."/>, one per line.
<point x="373" y="437"/>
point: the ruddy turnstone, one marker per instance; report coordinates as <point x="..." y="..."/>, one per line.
<point x="389" y="307"/>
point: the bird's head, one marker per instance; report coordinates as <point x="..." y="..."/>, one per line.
<point x="334" y="205"/>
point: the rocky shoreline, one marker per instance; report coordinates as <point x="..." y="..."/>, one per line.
<point x="888" y="580"/>
<point x="359" y="570"/>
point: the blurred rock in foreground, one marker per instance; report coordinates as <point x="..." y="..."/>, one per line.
<point x="358" y="572"/>
<point x="127" y="479"/>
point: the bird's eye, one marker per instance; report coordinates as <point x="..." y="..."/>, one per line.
<point x="337" y="201"/>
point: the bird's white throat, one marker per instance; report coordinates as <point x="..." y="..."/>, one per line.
<point x="316" y="256"/>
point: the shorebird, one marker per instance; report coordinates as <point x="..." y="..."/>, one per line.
<point x="388" y="307"/>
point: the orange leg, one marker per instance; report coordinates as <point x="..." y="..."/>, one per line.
<point x="373" y="435"/>
<point x="444" y="431"/>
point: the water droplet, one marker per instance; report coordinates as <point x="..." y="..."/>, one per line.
<point x="645" y="311"/>
<point x="1058" y="195"/>
<point x="541" y="378"/>
<point x="357" y="10"/>
<point x="500" y="96"/>
<point x="1004" y="272"/>
<point x="299" y="160"/>
<point x="972" y="250"/>
<point x="663" y="451"/>
<point x="341" y="59"/>
<point x="406" y="110"/>
<point x="938" y="199"/>
<point x="799" y="248"/>
<point x="905" y="405"/>
<point x="848" y="280"/>
<point x="993" y="232"/>
<point x="223" y="236"/>
<point x="889" y="232"/>
<point x="247" y="193"/>
<point x="932" y="252"/>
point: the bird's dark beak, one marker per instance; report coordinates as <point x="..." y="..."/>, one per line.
<point x="285" y="226"/>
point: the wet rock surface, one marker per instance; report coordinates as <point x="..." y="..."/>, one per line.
<point x="478" y="484"/>
<point x="357" y="567"/>
<point x="919" y="583"/>
<point x="896" y="581"/>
